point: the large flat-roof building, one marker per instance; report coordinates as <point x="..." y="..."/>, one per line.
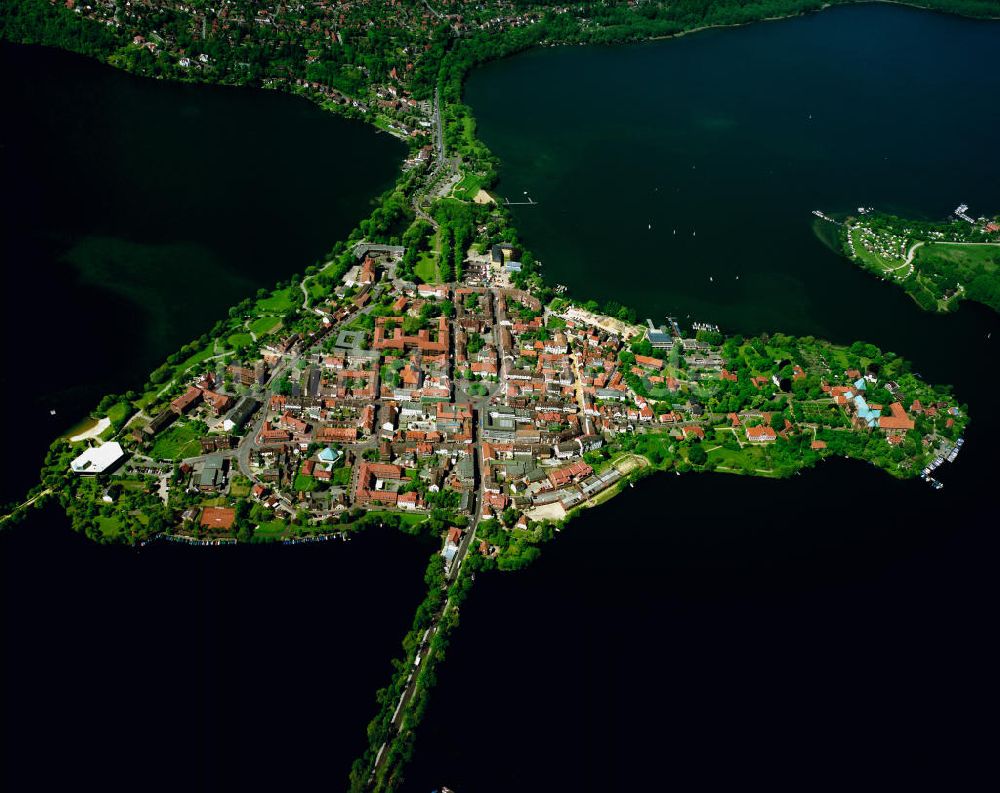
<point x="98" y="459"/>
<point x="659" y="338"/>
<point x="212" y="476"/>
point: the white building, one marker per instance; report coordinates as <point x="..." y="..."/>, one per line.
<point x="98" y="459"/>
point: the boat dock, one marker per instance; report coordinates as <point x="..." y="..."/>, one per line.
<point x="820" y="215"/>
<point x="946" y="456"/>
<point x="961" y="212"/>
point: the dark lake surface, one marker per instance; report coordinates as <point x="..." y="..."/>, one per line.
<point x="178" y="668"/>
<point x="731" y="138"/>
<point x="711" y="632"/>
<point x="136" y="212"/>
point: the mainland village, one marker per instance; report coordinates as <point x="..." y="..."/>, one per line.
<point x="476" y="401"/>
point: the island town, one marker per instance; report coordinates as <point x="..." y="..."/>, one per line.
<point x="476" y="404"/>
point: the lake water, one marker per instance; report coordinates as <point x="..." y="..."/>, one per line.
<point x="731" y="138"/>
<point x="136" y="212"/>
<point x="180" y="668"/>
<point x="710" y="632"/>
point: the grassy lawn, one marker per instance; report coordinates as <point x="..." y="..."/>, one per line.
<point x="468" y="187"/>
<point x="280" y="302"/>
<point x="941" y="265"/>
<point x="980" y="257"/>
<point x="264" y="325"/>
<point x="341" y="476"/>
<point x="872" y="259"/>
<point x="305" y="483"/>
<point x="751" y="457"/>
<point x="176" y="443"/>
<point x="317" y="291"/>
<point x="147" y="399"/>
<point x="119" y="412"/>
<point x="407" y="518"/>
<point x="239" y="341"/>
<point x="273" y="528"/>
<point x="198" y="357"/>
<point x="110" y="527"/>
<point x="239" y="487"/>
<point x="426" y="268"/>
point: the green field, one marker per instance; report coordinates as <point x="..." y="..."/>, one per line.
<point x="985" y="256"/>
<point x="119" y="413"/>
<point x="273" y="528"/>
<point x="426" y="268"/>
<point x="198" y="357"/>
<point x="280" y="302"/>
<point x="317" y="291"/>
<point x="240" y="341"/>
<point x="239" y="487"/>
<point x="110" y="527"/>
<point x="874" y="260"/>
<point x="749" y="457"/>
<point x="958" y="271"/>
<point x="407" y="518"/>
<point x="264" y="325"/>
<point x="305" y="483"/>
<point x="466" y="189"/>
<point x="176" y="443"/>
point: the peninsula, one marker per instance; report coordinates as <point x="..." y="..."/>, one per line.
<point x="938" y="263"/>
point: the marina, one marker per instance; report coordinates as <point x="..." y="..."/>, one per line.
<point x="949" y="455"/>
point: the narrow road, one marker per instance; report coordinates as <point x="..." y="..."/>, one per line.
<point x="433" y="10"/>
<point x="441" y="163"/>
<point x="26" y="504"/>
<point x="480" y="405"/>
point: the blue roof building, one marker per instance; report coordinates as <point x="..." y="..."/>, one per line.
<point x="865" y="413"/>
<point x="328" y="455"/>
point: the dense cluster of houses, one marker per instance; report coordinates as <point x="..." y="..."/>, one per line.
<point x="470" y="396"/>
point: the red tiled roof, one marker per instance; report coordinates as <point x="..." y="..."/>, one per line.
<point x="760" y="433"/>
<point x="897" y="421"/>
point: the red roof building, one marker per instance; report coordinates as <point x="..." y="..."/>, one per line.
<point x="760" y="434"/>
<point x="898" y="420"/>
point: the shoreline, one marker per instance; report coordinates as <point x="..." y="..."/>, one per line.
<point x="94" y="430"/>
